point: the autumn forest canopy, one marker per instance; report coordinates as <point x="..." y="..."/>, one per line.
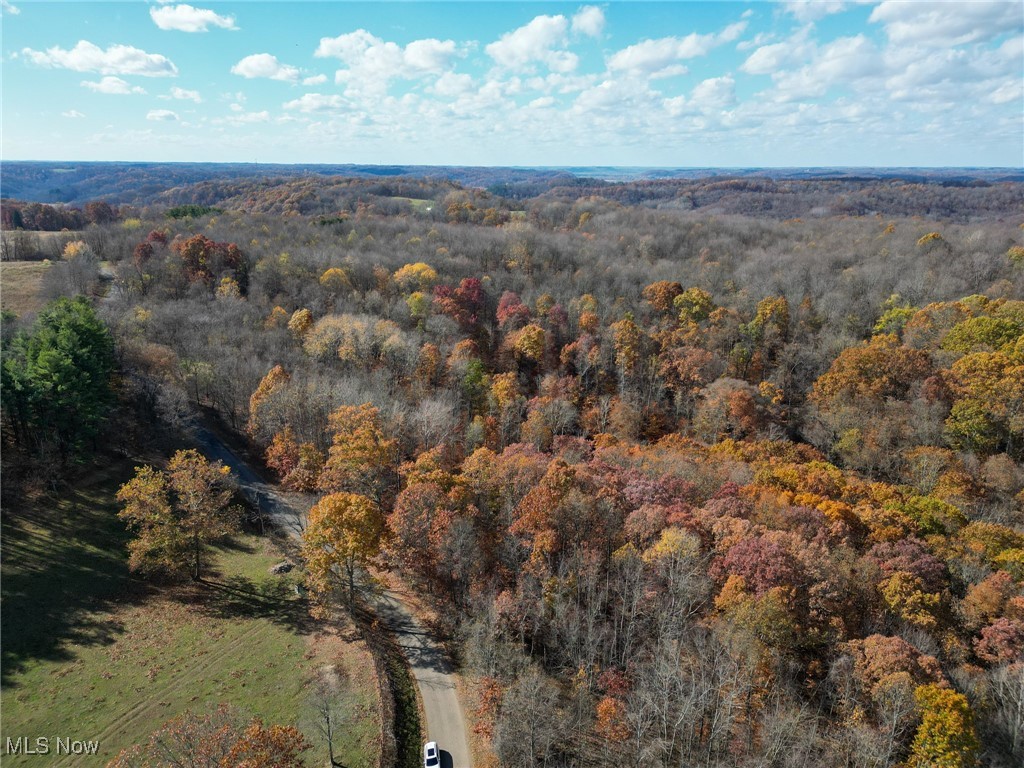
<point x="722" y="470"/>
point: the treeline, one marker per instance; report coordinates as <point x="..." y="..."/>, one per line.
<point x="308" y="196"/>
<point x="778" y="198"/>
<point x="693" y="489"/>
<point x="962" y="194"/>
<point x="138" y="183"/>
<point x="16" y="214"/>
<point x="976" y="200"/>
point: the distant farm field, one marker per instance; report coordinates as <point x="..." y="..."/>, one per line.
<point x="20" y="285"/>
<point x="417" y="204"/>
<point x="92" y="653"/>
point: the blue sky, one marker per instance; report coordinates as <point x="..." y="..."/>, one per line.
<point x="825" y="82"/>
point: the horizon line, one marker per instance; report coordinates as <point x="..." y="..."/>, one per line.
<point x="533" y="167"/>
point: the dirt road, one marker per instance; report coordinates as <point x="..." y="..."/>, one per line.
<point x="445" y="722"/>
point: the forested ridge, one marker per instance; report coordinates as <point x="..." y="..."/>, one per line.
<point x="703" y="472"/>
<point x="963" y="194"/>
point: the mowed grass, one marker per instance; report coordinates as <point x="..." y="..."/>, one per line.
<point x="418" y="204"/>
<point x="90" y="652"/>
<point x="20" y="285"/>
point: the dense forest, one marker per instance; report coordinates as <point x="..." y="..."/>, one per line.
<point x="138" y="184"/>
<point x="718" y="472"/>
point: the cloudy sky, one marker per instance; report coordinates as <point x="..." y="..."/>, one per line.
<point x="803" y="83"/>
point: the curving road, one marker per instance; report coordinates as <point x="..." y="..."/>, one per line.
<point x="430" y="665"/>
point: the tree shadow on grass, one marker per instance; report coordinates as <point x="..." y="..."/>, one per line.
<point x="238" y="543"/>
<point x="64" y="569"/>
<point x="270" y="598"/>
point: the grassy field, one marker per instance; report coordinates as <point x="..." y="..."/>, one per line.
<point x="418" y="204"/>
<point x="92" y="653"/>
<point x="20" y="283"/>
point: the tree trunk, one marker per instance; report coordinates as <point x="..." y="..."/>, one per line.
<point x="330" y="741"/>
<point x="196" y="556"/>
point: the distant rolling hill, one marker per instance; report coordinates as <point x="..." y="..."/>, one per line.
<point x="75" y="183"/>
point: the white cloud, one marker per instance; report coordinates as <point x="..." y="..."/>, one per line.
<point x="768" y="59"/>
<point x="617" y="99"/>
<point x="848" y="58"/>
<point x="542" y="103"/>
<point x="588" y="21"/>
<point x="428" y="56"/>
<point x="730" y="33"/>
<point x="555" y="82"/>
<point x="254" y="117"/>
<point x="648" y="56"/>
<point x="265" y="65"/>
<point x="811" y="10"/>
<point x="185" y="18"/>
<point x="346" y="47"/>
<point x="161" y="114"/>
<point x="799" y="85"/>
<point x="316" y="102"/>
<point x="652" y="57"/>
<point x="488" y="103"/>
<point x="952" y="75"/>
<point x="1007" y="91"/>
<point x="1012" y="50"/>
<point x="314" y="80"/>
<point x="14" y="11"/>
<point x="675" y="106"/>
<point x="452" y="84"/>
<point x="714" y="93"/>
<point x="673" y="70"/>
<point x="945" y="24"/>
<point x="542" y="40"/>
<point x="181" y="93"/>
<point x="243" y="118"/>
<point x="372" y="62"/>
<point x="706" y="100"/>
<point x="112" y="85"/>
<point x="803" y="69"/>
<point x="115" y="60"/>
<point x="761" y="38"/>
<point x="74" y="113"/>
<point x="844" y="62"/>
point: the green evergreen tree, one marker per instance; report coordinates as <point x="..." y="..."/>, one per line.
<point x="56" y="378"/>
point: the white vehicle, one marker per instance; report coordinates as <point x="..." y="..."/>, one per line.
<point x="431" y="755"/>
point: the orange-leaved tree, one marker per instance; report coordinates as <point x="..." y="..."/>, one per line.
<point x="218" y="739"/>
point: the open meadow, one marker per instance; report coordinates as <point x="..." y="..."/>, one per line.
<point x="91" y="652"/>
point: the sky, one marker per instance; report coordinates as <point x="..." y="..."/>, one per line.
<point x="657" y="84"/>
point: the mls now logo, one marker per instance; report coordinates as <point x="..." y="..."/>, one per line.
<point x="23" y="745"/>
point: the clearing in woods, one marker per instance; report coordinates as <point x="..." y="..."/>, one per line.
<point x="418" y="204"/>
<point x="20" y="285"/>
<point x="90" y="652"/>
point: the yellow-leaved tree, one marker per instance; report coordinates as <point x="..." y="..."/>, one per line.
<point x="416" y="277"/>
<point x="362" y="458"/>
<point x="946" y="737"/>
<point x="175" y="513"/>
<point x="343" y="533"/>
